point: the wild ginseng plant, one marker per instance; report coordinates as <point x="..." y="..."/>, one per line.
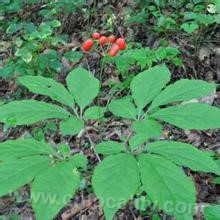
<point x="156" y="167"/>
<point x="54" y="175"/>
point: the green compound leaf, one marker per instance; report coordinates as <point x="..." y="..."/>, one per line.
<point x="94" y="112"/>
<point x="183" y="90"/>
<point x="27" y="112"/>
<point x="115" y="181"/>
<point x="49" y="87"/>
<point x="212" y="212"/>
<point x="15" y="174"/>
<point x="52" y="189"/>
<point x="71" y="126"/>
<point x="190" y="116"/>
<point x="109" y="147"/>
<point x="123" y="108"/>
<point x="146" y="85"/>
<point x="185" y="155"/>
<point x="15" y="149"/>
<point x="167" y="186"/>
<point x="83" y="86"/>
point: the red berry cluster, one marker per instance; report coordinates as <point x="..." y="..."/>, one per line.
<point x="118" y="44"/>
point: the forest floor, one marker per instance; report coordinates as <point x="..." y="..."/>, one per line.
<point x="201" y="60"/>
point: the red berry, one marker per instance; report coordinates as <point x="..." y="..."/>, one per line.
<point x="96" y="35"/>
<point x="102" y="40"/>
<point x="121" y="43"/>
<point x="111" y="38"/>
<point x="87" y="45"/>
<point x="114" y="50"/>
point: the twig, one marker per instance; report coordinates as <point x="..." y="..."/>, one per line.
<point x="92" y="145"/>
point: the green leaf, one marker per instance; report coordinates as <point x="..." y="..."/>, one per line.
<point x="38" y="134"/>
<point x="216" y="180"/>
<point x="15" y="149"/>
<point x="167" y="186"/>
<point x="200" y="18"/>
<point x="73" y="56"/>
<point x="183" y="90"/>
<point x="184" y="155"/>
<point x="115" y="181"/>
<point x="7" y="70"/>
<point x="49" y="87"/>
<point x="212" y="212"/>
<point x="52" y="189"/>
<point x="54" y="23"/>
<point x="25" y="54"/>
<point x="147" y="128"/>
<point x="27" y="112"/>
<point x="156" y="217"/>
<point x="190" y="116"/>
<point x="109" y="147"/>
<point x="15" y="174"/>
<point x="135" y="141"/>
<point x="49" y="60"/>
<point x="83" y="86"/>
<point x="189" y="27"/>
<point x="123" y="108"/>
<point x="45" y="30"/>
<point x="218" y="163"/>
<point x="64" y="149"/>
<point x="79" y="161"/>
<point x="144" y="130"/>
<point x="71" y="126"/>
<point x="94" y="112"/>
<point x="14" y="27"/>
<point x="142" y="203"/>
<point x="146" y="85"/>
<point x="27" y="57"/>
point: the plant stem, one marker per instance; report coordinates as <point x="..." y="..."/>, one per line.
<point x="144" y="115"/>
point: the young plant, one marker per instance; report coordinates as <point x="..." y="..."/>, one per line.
<point x="188" y="16"/>
<point x="156" y="167"/>
<point x="53" y="174"/>
<point x="34" y="50"/>
<point x="34" y="47"/>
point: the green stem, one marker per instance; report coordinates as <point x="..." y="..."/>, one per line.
<point x="75" y="112"/>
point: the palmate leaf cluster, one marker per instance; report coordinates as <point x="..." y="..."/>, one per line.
<point x="146" y="163"/>
<point x="54" y="178"/>
<point x="156" y="166"/>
